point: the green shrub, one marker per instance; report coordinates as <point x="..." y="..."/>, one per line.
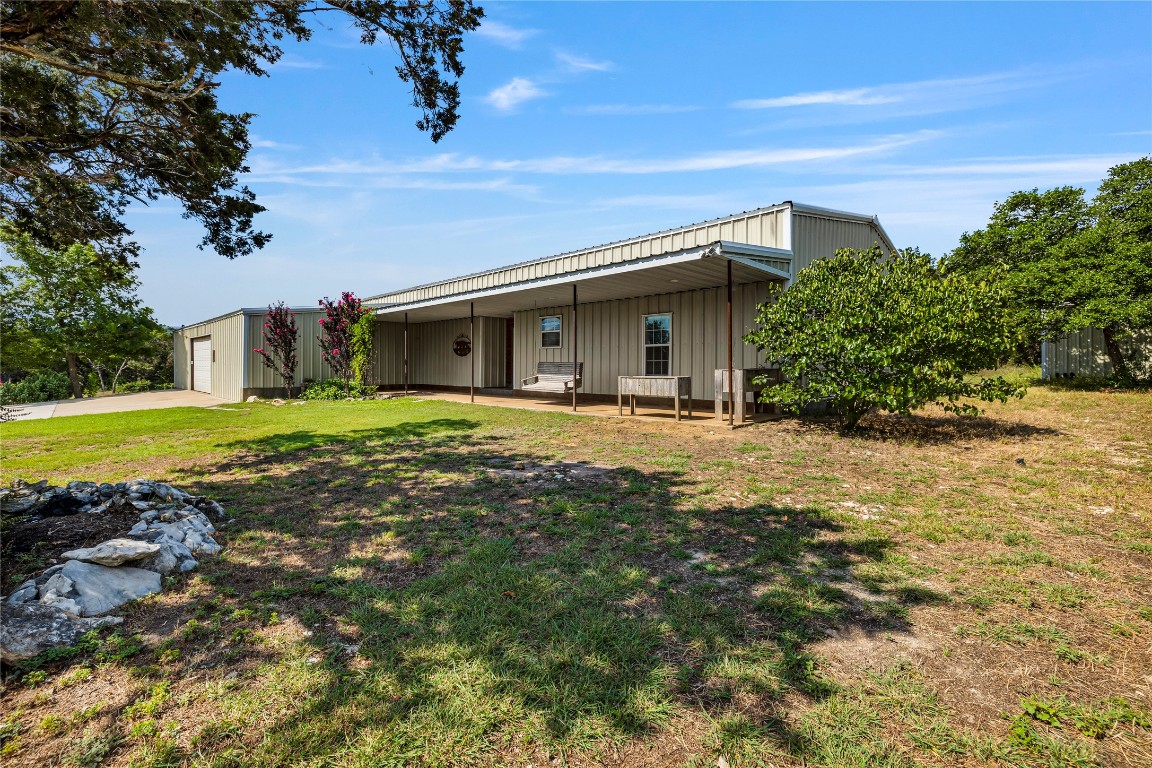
<point x="867" y="331"/>
<point x="37" y="388"/>
<point x="332" y="389"/>
<point x="140" y="385"/>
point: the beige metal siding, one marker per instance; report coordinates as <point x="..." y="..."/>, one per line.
<point x="609" y="336"/>
<point x="386" y="363"/>
<point x="1083" y="353"/>
<point x="388" y="358"/>
<point x="815" y="237"/>
<point x="767" y="226"/>
<point x="310" y="365"/>
<point x="227" y="343"/>
<point x="432" y="361"/>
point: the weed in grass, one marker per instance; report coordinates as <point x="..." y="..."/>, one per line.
<point x="1022" y="559"/>
<point x="35" y="678"/>
<point x="1093" y="719"/>
<point x="118" y="647"/>
<point x="1019" y="633"/>
<point x="77" y="675"/>
<point x="92" y="749"/>
<point x="157" y="695"/>
<point x="52" y="724"/>
<point x="1123" y="629"/>
<point x="1016" y="538"/>
<point x="158" y="752"/>
<point x="10" y="728"/>
<point x="1065" y="595"/>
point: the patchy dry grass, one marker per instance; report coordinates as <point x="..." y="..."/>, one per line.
<point x="935" y="591"/>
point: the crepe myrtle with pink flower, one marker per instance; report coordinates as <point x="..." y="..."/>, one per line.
<point x="279" y="350"/>
<point x="336" y="336"/>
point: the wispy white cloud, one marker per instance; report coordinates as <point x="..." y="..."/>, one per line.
<point x="632" y="109"/>
<point x="944" y="93"/>
<point x="514" y="93"/>
<point x="1132" y="133"/>
<point x="858" y="97"/>
<point x="290" y="61"/>
<point x="337" y="180"/>
<point x="1073" y="169"/>
<point x="598" y="164"/>
<point x="574" y="63"/>
<point x="503" y="34"/>
<point x="262" y="143"/>
<point x="697" y="203"/>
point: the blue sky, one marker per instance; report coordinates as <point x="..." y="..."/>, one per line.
<point x="586" y="123"/>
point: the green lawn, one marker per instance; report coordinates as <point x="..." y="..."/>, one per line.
<point x="930" y="593"/>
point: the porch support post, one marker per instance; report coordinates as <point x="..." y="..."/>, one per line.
<point x="574" y="358"/>
<point x="405" y="371"/>
<point x="472" y="354"/>
<point x="731" y="382"/>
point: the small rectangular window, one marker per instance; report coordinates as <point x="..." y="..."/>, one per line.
<point x="657" y="345"/>
<point x="550" y="331"/>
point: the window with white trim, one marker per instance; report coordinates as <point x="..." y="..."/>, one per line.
<point x="550" y="332"/>
<point x="657" y="345"/>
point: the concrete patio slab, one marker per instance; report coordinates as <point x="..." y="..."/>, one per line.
<point x="598" y="409"/>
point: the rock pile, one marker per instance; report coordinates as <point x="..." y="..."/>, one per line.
<point x="62" y="603"/>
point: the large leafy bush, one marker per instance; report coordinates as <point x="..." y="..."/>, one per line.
<point x="37" y="388"/>
<point x="867" y="331"/>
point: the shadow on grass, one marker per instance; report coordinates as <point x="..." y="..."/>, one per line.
<point x="270" y="447"/>
<point x="448" y="614"/>
<point x="927" y="430"/>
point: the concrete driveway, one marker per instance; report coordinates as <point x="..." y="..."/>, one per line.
<point x="137" y="401"/>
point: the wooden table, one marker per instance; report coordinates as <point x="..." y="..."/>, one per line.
<point x="744" y="386"/>
<point x="674" y="387"/>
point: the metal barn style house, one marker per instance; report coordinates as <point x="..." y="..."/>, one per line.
<point x="662" y="314"/>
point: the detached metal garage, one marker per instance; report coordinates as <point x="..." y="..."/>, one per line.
<point x="207" y="356"/>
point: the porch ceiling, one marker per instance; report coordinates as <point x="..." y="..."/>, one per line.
<point x="685" y="271"/>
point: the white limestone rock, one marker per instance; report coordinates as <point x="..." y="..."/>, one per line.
<point x="98" y="589"/>
<point x="29" y="629"/>
<point x="24" y="593"/>
<point x="113" y="552"/>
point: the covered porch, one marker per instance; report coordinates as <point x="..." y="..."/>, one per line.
<point x="486" y="342"/>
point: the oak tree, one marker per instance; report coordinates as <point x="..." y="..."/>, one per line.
<point x="1066" y="264"/>
<point x="103" y="102"/>
<point x="64" y="306"/>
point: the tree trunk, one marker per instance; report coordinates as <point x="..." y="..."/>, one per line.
<point x="74" y="375"/>
<point x="1115" y="356"/>
<point x="99" y="373"/>
<point x="116" y="378"/>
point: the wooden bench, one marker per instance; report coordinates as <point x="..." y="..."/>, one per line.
<point x="554" y="377"/>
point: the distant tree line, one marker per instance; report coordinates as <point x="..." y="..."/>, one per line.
<point x="71" y="325"/>
<point x="865" y="331"/>
<point x="1066" y="263"/>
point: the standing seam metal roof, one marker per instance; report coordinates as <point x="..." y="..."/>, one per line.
<point x="378" y="298"/>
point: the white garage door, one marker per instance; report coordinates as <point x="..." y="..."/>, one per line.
<point x="202" y="364"/>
